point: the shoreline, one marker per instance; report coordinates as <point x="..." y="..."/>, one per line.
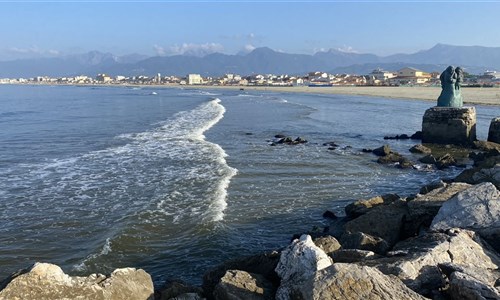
<point x="471" y="95"/>
<point x="477" y="96"/>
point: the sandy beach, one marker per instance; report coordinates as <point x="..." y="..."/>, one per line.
<point x="486" y="96"/>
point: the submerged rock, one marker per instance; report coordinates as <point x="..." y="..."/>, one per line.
<point x="382" y="151"/>
<point x="420" y="149"/>
<point x="397" y="137"/>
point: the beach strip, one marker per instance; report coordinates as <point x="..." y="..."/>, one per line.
<point x="485" y="96"/>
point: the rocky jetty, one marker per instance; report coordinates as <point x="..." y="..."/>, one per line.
<point x="442" y="243"/>
<point x="45" y="281"/>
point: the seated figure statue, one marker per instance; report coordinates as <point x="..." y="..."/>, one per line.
<point x="451" y="95"/>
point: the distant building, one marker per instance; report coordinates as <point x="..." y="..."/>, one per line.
<point x="410" y="76"/>
<point x="193" y="79"/>
<point x="381" y="75"/>
<point x="103" y="78"/>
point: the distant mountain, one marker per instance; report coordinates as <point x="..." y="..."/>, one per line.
<point x="452" y="55"/>
<point x="474" y="59"/>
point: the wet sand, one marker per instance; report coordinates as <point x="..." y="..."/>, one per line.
<point x="486" y="96"/>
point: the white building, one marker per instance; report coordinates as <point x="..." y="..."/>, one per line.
<point x="194" y="79"/>
<point x="379" y="74"/>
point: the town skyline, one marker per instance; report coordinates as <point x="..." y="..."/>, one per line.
<point x="163" y="28"/>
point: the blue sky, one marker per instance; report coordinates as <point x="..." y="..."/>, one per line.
<point x="40" y="28"/>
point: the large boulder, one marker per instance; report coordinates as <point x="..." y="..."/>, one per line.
<point x="298" y="263"/>
<point x="418" y="259"/>
<point x="262" y="264"/>
<point x="363" y="241"/>
<point x="466" y="287"/>
<point x="480" y="175"/>
<point x="328" y="243"/>
<point x="176" y="289"/>
<point x="242" y="285"/>
<point x="349" y="281"/>
<point x="424" y="207"/>
<point x="383" y="221"/>
<point x="476" y="208"/>
<point x="486" y="276"/>
<point x="48" y="281"/>
<point x="361" y="207"/>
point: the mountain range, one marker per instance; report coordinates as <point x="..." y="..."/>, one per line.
<point x="474" y="59"/>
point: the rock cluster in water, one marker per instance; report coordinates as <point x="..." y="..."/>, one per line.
<point x="442" y="243"/>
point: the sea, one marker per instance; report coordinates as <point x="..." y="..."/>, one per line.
<point x="176" y="180"/>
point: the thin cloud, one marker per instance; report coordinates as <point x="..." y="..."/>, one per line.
<point x="189" y="49"/>
<point x="33" y="51"/>
<point x="159" y="50"/>
<point x="347" y="49"/>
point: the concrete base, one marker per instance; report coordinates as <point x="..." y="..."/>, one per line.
<point x="449" y="125"/>
<point x="494" y="132"/>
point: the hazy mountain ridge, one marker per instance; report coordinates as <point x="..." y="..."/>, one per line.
<point x="474" y="59"/>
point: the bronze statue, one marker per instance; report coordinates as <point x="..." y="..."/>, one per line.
<point x="451" y="95"/>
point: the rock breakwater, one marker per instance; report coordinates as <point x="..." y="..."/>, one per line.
<point x="442" y="243"/>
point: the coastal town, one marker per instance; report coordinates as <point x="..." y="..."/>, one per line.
<point x="404" y="77"/>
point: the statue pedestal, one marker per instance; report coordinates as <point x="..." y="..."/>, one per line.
<point x="449" y="125"/>
<point x="494" y="132"/>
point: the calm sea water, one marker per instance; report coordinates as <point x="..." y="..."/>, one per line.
<point x="179" y="180"/>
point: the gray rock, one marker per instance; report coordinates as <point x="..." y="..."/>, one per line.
<point x="420" y="149"/>
<point x="263" y="264"/>
<point x="241" y="285"/>
<point x="382" y="151"/>
<point x="494" y="131"/>
<point x="328" y="244"/>
<point x="349" y="281"/>
<point x="174" y="289"/>
<point x="445" y="161"/>
<point x="384" y="221"/>
<point x="395" y="158"/>
<point x="361" y="207"/>
<point x="298" y="263"/>
<point x="428" y="159"/>
<point x="465" y="287"/>
<point x="487" y="276"/>
<point x="487" y="145"/>
<point x="423" y="208"/>
<point x="481" y="174"/>
<point x="187" y="296"/>
<point x="48" y="281"/>
<point x="353" y="255"/>
<point x="301" y="259"/>
<point x="363" y="241"/>
<point x="477" y="207"/>
<point x="419" y="270"/>
<point x="431" y="186"/>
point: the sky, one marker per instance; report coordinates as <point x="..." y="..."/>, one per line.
<point x="57" y="28"/>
